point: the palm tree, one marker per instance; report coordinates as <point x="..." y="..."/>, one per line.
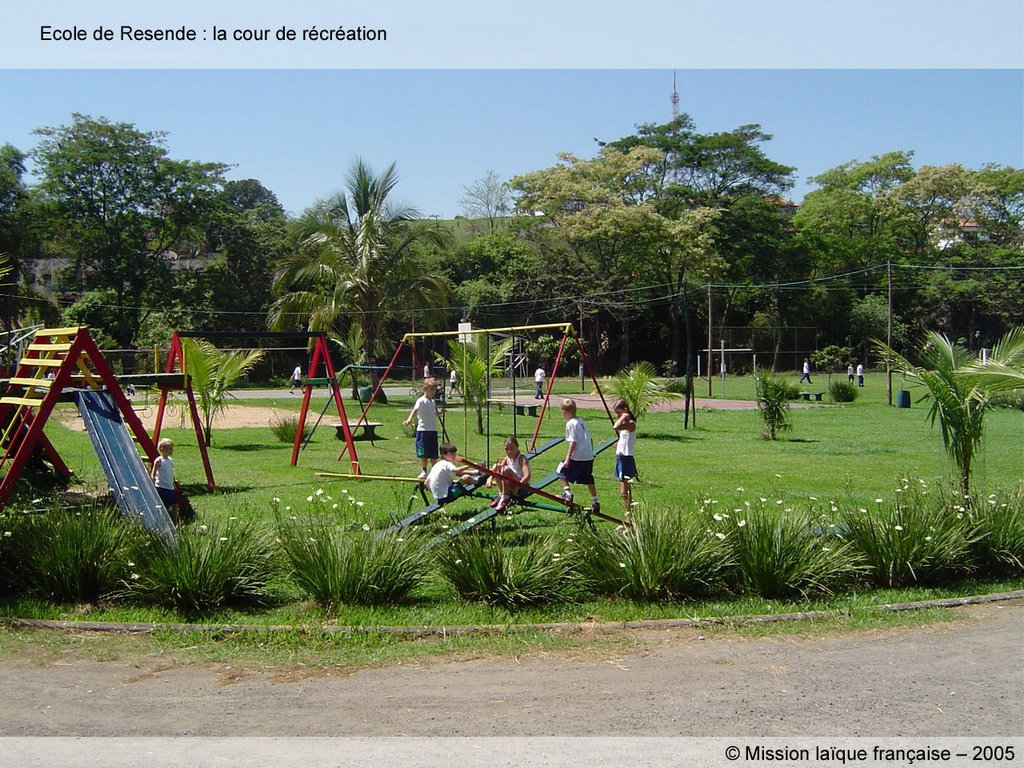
<point x="213" y="372"/>
<point x="637" y="386"/>
<point x="962" y="389"/>
<point x="475" y="367"/>
<point x="354" y="262"/>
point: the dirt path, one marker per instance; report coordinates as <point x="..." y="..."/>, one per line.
<point x="963" y="678"/>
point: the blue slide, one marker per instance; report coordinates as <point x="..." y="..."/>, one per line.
<point x="130" y="483"/>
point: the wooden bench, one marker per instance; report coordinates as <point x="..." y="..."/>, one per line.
<point x="366" y="431"/>
<point x="809" y="395"/>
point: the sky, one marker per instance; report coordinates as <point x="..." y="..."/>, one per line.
<point x="471" y="92"/>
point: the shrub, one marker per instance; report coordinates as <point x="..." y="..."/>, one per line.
<point x="1000" y="543"/>
<point x="481" y="568"/>
<point x="773" y="393"/>
<point x="206" y="568"/>
<point x="665" y="555"/>
<point x="675" y="386"/>
<point x="285" y="427"/>
<point x="842" y="392"/>
<point x="918" y="539"/>
<point x="783" y="554"/>
<point x="333" y="565"/>
<point x="71" y="555"/>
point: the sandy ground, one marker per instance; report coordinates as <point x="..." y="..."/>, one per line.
<point x="233" y="416"/>
<point x="959" y="678"/>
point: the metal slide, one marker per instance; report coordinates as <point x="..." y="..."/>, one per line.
<point x="130" y="483"/>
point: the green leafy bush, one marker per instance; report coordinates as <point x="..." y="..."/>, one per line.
<point x="842" y="392"/>
<point x="481" y="568"/>
<point x="70" y="555"/>
<point x="1000" y="543"/>
<point x="666" y="554"/>
<point x="921" y="538"/>
<point x="773" y="395"/>
<point x="285" y="427"/>
<point x="333" y="565"/>
<point x="783" y="554"/>
<point x="206" y="568"/>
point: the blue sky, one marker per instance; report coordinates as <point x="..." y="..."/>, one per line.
<point x="462" y="86"/>
<point x="297" y="131"/>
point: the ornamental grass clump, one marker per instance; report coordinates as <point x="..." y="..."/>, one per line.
<point x="666" y="554"/>
<point x="70" y="555"/>
<point x="999" y="548"/>
<point x="482" y="569"/>
<point x="785" y="553"/>
<point x="284" y="428"/>
<point x="335" y="565"/>
<point x="920" y="538"/>
<point x="206" y="568"/>
<point x="842" y="392"/>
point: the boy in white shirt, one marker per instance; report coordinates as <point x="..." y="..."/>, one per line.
<point x="442" y="478"/>
<point x="425" y="411"/>
<point x="578" y="466"/>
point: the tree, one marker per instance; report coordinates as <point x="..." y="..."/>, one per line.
<point x="355" y="261"/>
<point x="773" y="405"/>
<point x="487" y="198"/>
<point x="637" y="385"/>
<point x="962" y="390"/>
<point x="120" y="205"/>
<point x="475" y="365"/>
<point x="213" y="372"/>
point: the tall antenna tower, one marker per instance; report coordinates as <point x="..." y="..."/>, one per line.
<point x="675" y="97"/>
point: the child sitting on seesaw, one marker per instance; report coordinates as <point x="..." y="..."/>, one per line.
<point x="441" y="481"/>
<point x="514" y="466"/>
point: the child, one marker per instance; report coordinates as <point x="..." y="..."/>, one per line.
<point x="296" y="379"/>
<point x="625" y="464"/>
<point x="578" y="466"/>
<point x="515" y="465"/>
<point x="163" y="477"/>
<point x="425" y="411"/>
<point x="538" y="382"/>
<point x="441" y="480"/>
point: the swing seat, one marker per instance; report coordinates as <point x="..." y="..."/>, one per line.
<point x="365" y="431"/>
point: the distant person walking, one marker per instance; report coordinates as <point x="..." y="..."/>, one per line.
<point x="806" y="376"/>
<point x="860" y="374"/>
<point x="296" y="380"/>
<point x="538" y="381"/>
<point x="849" y="373"/>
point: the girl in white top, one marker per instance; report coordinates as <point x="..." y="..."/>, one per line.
<point x="514" y="465"/>
<point x="163" y="477"/>
<point x="625" y="463"/>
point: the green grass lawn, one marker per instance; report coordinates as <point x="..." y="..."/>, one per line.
<point x="854" y="452"/>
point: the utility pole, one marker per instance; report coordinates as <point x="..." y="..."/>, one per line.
<point x="888" y="338"/>
<point x="710" y="342"/>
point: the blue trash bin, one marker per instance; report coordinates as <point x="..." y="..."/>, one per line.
<point x="903" y="398"/>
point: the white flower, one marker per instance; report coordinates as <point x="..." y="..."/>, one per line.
<point x="899" y="527"/>
<point x="135" y="577"/>
<point x="276" y="500"/>
<point x="777" y="474"/>
<point x="878" y="501"/>
<point x="344" y="490"/>
<point x="202" y="529"/>
<point x="741" y="523"/>
<point x="319" y="492"/>
<point x="334" y="506"/>
<point x="720" y="535"/>
<point x="740" y="489"/>
<point x="762" y="499"/>
<point x="7" y="534"/>
<point x="359" y="503"/>
<point x="223" y="538"/>
<point x="778" y="501"/>
<point x="287" y="509"/>
<point x="366" y="526"/>
<point x="622" y="565"/>
<point x="458" y="562"/>
<point x="813" y="498"/>
<point x="309" y="498"/>
<point x="718" y="517"/>
<point x="131" y="564"/>
<point x="927" y="538"/>
<point x="863" y="511"/>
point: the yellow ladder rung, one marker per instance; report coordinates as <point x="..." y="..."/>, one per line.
<point x="30" y="402"/>
<point x="58" y="331"/>
<point x="43" y="362"/>
<point x="30" y="382"/>
<point x="62" y="347"/>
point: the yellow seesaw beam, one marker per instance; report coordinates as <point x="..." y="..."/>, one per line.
<point x="369" y="477"/>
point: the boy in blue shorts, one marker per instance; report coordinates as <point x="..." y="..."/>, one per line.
<point x="578" y="466"/>
<point x="425" y="411"/>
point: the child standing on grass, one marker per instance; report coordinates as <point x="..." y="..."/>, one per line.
<point x="163" y="477"/>
<point x="425" y="411"/>
<point x="625" y="463"/>
<point x="578" y="466"/>
<point x="514" y="466"/>
<point x="441" y="480"/>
